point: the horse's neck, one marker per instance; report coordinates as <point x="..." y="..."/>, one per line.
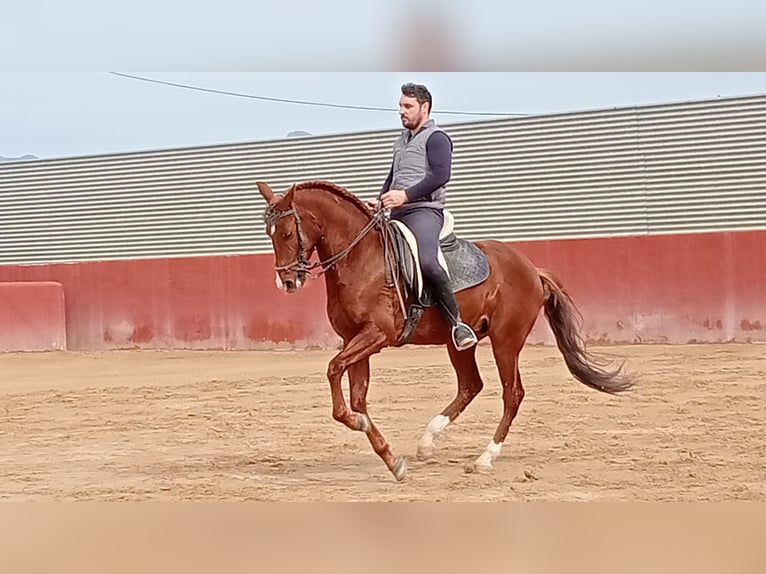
<point x="342" y="223"/>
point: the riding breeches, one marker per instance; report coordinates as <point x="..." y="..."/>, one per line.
<point x="426" y="224"/>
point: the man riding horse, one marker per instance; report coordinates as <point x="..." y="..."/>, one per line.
<point x="322" y="218"/>
<point x="415" y="192"/>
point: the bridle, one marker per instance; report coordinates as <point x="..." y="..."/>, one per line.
<point x="272" y="216"/>
<point x="301" y="265"/>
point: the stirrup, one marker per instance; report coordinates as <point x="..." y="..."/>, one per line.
<point x="463" y="337"/>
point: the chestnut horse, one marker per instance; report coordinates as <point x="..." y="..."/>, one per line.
<point x="364" y="311"/>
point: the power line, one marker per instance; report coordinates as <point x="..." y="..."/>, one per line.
<point x="298" y="102"/>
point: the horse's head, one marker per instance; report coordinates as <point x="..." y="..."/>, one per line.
<point x="294" y="236"/>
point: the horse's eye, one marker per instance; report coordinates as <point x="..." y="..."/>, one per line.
<point x="287" y="234"/>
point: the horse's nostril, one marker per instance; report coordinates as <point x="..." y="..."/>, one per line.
<point x="289" y="284"/>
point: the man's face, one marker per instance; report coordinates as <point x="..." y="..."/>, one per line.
<point x="412" y="113"/>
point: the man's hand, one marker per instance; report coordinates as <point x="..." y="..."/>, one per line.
<point x="393" y="198"/>
<point x="373" y="205"/>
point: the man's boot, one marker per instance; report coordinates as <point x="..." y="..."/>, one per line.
<point x="463" y="336"/>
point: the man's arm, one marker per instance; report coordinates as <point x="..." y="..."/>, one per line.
<point x="389" y="180"/>
<point x="439" y="156"/>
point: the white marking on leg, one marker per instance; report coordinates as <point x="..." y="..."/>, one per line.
<point x="489" y="455"/>
<point x="434" y="429"/>
<point x="280" y="285"/>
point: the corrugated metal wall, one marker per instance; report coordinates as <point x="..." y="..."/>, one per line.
<point x="698" y="166"/>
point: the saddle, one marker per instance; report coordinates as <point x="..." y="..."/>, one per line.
<point x="464" y="263"/>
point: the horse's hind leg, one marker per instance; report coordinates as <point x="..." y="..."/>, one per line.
<point x="469" y="385"/>
<point x="513" y="393"/>
<point x="359" y="380"/>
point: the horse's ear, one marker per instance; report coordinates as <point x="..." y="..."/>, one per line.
<point x="287" y="201"/>
<point x="266" y="191"/>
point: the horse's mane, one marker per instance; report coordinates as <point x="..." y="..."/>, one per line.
<point x="337" y="191"/>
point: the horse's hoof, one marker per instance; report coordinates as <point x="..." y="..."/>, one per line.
<point x="478" y="468"/>
<point x="363" y="423"/>
<point x="400" y="469"/>
<point x="425" y="454"/>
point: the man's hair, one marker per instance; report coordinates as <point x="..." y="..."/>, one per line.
<point x="419" y="92"/>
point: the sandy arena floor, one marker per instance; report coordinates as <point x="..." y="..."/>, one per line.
<point x="256" y="426"/>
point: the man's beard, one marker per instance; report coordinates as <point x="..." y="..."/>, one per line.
<point x="410" y="124"/>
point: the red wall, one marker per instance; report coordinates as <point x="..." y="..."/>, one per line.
<point x="674" y="288"/>
<point x="32" y="316"/>
<point x="671" y="288"/>
<point x="193" y="303"/>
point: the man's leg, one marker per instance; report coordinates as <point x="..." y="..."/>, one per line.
<point x="426" y="224"/>
<point x="463" y="336"/>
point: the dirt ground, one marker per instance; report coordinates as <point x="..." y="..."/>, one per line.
<point x="139" y="425"/>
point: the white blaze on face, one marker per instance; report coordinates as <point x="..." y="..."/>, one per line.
<point x="280" y="285"/>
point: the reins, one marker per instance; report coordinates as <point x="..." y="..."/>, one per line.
<point x="301" y="265"/>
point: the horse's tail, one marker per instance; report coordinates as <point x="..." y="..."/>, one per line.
<point x="565" y="321"/>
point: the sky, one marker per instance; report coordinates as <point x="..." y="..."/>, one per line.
<point x="382" y="35"/>
<point x="502" y="56"/>
<point x="62" y="114"/>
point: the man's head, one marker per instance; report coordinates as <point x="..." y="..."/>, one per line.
<point x="414" y="106"/>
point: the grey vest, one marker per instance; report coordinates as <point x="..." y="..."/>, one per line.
<point x="410" y="165"/>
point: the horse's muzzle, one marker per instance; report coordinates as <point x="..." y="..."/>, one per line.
<point x="290" y="284"/>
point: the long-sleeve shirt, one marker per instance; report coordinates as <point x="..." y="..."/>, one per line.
<point x="439" y="158"/>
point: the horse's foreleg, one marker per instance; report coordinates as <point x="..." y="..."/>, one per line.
<point x="359" y="379"/>
<point x="368" y="341"/>
<point x="469" y="384"/>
